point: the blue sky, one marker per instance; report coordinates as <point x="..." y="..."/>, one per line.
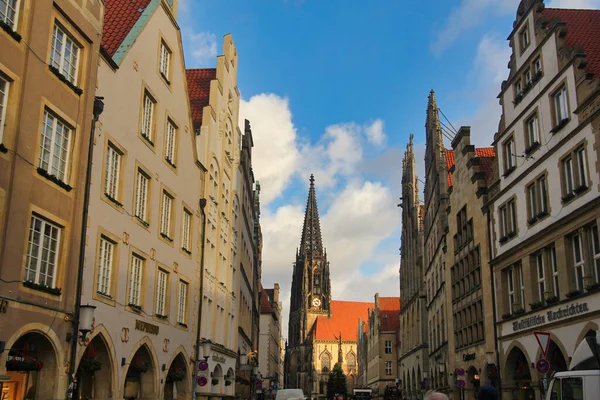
<point x="334" y="88"/>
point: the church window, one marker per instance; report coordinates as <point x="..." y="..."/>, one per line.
<point x="325" y="362"/>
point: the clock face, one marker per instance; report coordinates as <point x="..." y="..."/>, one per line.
<point x="316" y="302"/>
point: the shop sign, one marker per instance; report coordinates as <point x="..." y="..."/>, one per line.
<point x="552" y="315"/>
<point x="218" y="358"/>
<point x="469" y="356"/>
<point x="15" y="358"/>
<point x="146" y="327"/>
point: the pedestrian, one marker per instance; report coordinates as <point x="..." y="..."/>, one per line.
<point x="487" y="393"/>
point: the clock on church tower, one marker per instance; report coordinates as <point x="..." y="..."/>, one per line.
<point x="316" y="302"/>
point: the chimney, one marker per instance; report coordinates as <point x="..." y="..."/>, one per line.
<point x="376" y="300"/>
<point x="276" y="293"/>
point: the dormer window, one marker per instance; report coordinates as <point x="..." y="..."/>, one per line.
<point x="524" y="38"/>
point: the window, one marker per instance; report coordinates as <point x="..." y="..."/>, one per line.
<point x="512" y="299"/>
<point x="141" y="196"/>
<point x="165" y="59"/>
<point x="537" y="198"/>
<point x="541" y="283"/>
<point x="388" y="347"/>
<point x="3" y="96"/>
<point x="568" y="177"/>
<point x="135" y="280"/>
<point x="578" y="261"/>
<point x="8" y="13"/>
<point x="574" y="173"/>
<point x="170" y="142"/>
<point x="555" y="288"/>
<point x="508" y="219"/>
<point x="42" y="252"/>
<point x="518" y="87"/>
<point x="161" y="292"/>
<point x="561" y="106"/>
<point x="181" y="302"/>
<point x="165" y="219"/>
<point x="105" y="266"/>
<point x="521" y="284"/>
<point x="55" y="147"/>
<point x="527" y="76"/>
<point x="509" y="155"/>
<point x="186" y="240"/>
<point x="148" y="118"/>
<point x="533" y="133"/>
<point x="524" y="38"/>
<point x="113" y="168"/>
<point x="388" y="367"/>
<point x="581" y="167"/>
<point x="64" y="54"/>
<point x="537" y="65"/>
<point x="596" y="252"/>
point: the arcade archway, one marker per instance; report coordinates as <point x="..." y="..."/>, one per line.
<point x="177" y="380"/>
<point x="140" y="380"/>
<point x="95" y="371"/>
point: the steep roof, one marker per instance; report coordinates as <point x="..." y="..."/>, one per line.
<point x="120" y="16"/>
<point x="199" y="91"/>
<point x="344" y="320"/>
<point x="311" y="243"/>
<point x="389" y="311"/>
<point x="265" y="304"/>
<point x="583" y="30"/>
<point x="486" y="154"/>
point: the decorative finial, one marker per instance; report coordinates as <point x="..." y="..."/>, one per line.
<point x="312" y="179"/>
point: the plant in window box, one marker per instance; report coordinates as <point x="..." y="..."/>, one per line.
<point x="64" y="79"/>
<point x="135" y="307"/>
<point x="533" y="146"/>
<point x="552" y="300"/>
<point x="593" y="286"/>
<point x="108" y="196"/>
<point x="574" y="293"/>
<point x="519" y="311"/>
<point x="560" y="125"/>
<point x="568" y="196"/>
<point x="186" y="251"/>
<point x="536" y="76"/>
<point x="542" y="214"/>
<point x="532" y="220"/>
<point x="175" y="375"/>
<point x="160" y="316"/>
<point x="164" y="235"/>
<point x="518" y="98"/>
<point x="506" y="316"/>
<point x="42" y="288"/>
<point x="503" y="239"/>
<point x="54" y="179"/>
<point x="536" y="305"/>
<point x="10" y="31"/>
<point x="580" y="189"/>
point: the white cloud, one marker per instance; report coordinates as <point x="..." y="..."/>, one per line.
<point x="202" y="46"/>
<point x="584" y="4"/>
<point x="468" y="15"/>
<point x="357" y="215"/>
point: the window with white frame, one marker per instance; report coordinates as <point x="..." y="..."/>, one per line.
<point x="8" y="12"/>
<point x="533" y="133"/>
<point x="186" y="231"/>
<point x="555" y="287"/>
<point x="508" y="219"/>
<point x="388" y="367"/>
<point x="527" y="76"/>
<point x="524" y="38"/>
<point x="578" y="260"/>
<point x="141" y="196"/>
<point x="537" y="65"/>
<point x="4" y="85"/>
<point x="42" y="252"/>
<point x="105" y="266"/>
<point x="521" y="284"/>
<point x="596" y="252"/>
<point x="518" y="87"/>
<point x="541" y="282"/>
<point x="568" y="176"/>
<point x="574" y="173"/>
<point x="161" y="292"/>
<point x="388" y="347"/>
<point x="511" y="277"/>
<point x="55" y="147"/>
<point x="165" y="60"/>
<point x="165" y="218"/>
<point x="170" y="138"/>
<point x="181" y="302"/>
<point x="581" y="167"/>
<point x="509" y="155"/>
<point x="135" y="280"/>
<point x="561" y="105"/>
<point x="113" y="169"/>
<point x="537" y="198"/>
<point x="64" y="54"/>
<point x="148" y="118"/>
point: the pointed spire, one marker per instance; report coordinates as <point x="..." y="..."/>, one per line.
<point x="340" y="356"/>
<point x="311" y="244"/>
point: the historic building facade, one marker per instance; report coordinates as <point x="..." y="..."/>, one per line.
<point x="269" y="352"/>
<point x="435" y="231"/>
<point x="214" y="98"/>
<point x="142" y="254"/>
<point x="382" y="366"/>
<point x="469" y="294"/>
<point x="413" y="354"/>
<point x="545" y="241"/>
<point x="48" y="63"/>
<point x="322" y="332"/>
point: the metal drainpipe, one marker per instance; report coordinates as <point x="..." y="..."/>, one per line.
<point x="499" y="388"/>
<point x="199" y="323"/>
<point x="98" y="108"/>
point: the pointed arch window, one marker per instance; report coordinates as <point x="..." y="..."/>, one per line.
<point x="325" y="362"/>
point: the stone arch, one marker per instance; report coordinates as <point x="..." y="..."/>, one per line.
<point x="229" y="382"/>
<point x="517" y="364"/>
<point x="33" y="360"/>
<point x="590" y="326"/>
<point x="176" y="377"/>
<point x="557" y="354"/>
<point x="96" y="364"/>
<point x="216" y="380"/>
<point x="325" y="360"/>
<point x="473" y="379"/>
<point x="141" y="376"/>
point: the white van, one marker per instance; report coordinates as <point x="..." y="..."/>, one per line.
<point x="290" y="394"/>
<point x="582" y="381"/>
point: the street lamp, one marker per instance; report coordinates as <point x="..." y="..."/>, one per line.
<point x="86" y="319"/>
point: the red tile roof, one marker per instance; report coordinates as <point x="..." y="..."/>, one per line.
<point x="389" y="311"/>
<point x="119" y="17"/>
<point x="486" y="154"/>
<point x="583" y="30"/>
<point x="199" y="90"/>
<point x="265" y="304"/>
<point x="344" y="319"/>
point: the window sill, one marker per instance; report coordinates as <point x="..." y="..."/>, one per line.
<point x="186" y="251"/>
<point x="170" y="163"/>
<point x="560" y="125"/>
<point x="568" y="197"/>
<point x="113" y="200"/>
<point x="105" y="295"/>
<point x="141" y="221"/>
<point x="147" y="139"/>
<point x="166" y="237"/>
<point x="54" y="179"/>
<point x="135" y="308"/>
<point x="42" y="288"/>
<point x="167" y="81"/>
<point x="6" y="28"/>
<point x="182" y="325"/>
<point x="162" y="317"/>
<point x="533" y="147"/>
<point x="78" y="91"/>
<point x="509" y="171"/>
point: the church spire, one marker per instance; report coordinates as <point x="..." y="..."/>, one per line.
<point x="311" y="243"/>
